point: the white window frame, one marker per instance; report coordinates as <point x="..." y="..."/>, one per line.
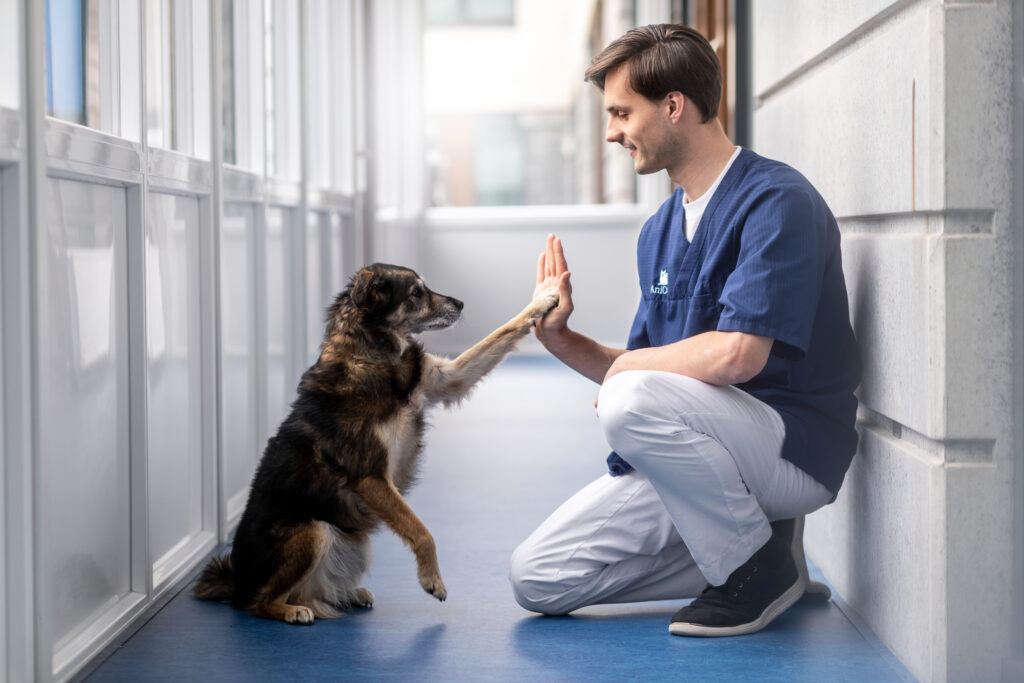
<point x="119" y="154"/>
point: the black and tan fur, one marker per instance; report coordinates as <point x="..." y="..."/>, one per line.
<point x="348" y="450"/>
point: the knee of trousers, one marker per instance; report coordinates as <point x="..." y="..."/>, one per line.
<point x="630" y="407"/>
<point x="534" y="583"/>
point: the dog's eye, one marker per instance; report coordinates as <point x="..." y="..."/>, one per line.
<point x="416" y="292"/>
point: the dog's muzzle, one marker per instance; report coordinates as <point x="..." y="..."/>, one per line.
<point x="449" y="313"/>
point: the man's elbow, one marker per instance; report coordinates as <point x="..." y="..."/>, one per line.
<point x="740" y="372"/>
<point x="746" y="357"/>
<point x="735" y="372"/>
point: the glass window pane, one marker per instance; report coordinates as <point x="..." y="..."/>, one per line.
<point x="280" y="386"/>
<point x="489" y="11"/>
<point x="245" y="112"/>
<point x="498" y="160"/>
<point x="283" y="112"/>
<point x="177" y="76"/>
<point x="342" y="121"/>
<point x="442" y="12"/>
<point x="228" y="88"/>
<point x="91" y="64"/>
<point x="65" y="69"/>
<point x="320" y="34"/>
<point x="469" y="12"/>
<point x="9" y="54"/>
<point x="520" y="126"/>
<point x="125" y="97"/>
<point x="318" y="248"/>
<point x="201" y="81"/>
<point x="158" y="74"/>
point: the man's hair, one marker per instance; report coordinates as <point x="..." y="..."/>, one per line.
<point x="664" y="58"/>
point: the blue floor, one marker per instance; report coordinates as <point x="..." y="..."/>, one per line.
<point x="494" y="469"/>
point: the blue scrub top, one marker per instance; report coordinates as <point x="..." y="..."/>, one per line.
<point x="765" y="260"/>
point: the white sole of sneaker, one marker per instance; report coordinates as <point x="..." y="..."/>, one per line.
<point x="781" y="604"/>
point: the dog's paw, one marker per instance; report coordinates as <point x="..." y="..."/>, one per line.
<point x="435" y="587"/>
<point x="298" y="614"/>
<point x="362" y="597"/>
<point x="543" y="303"/>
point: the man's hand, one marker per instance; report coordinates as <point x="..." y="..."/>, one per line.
<point x="552" y="271"/>
<point x="579" y="352"/>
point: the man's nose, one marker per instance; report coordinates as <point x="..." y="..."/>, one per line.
<point x="612" y="133"/>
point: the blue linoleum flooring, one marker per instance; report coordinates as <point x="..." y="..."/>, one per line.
<point x="494" y="469"/>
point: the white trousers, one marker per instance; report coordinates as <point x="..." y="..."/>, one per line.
<point x="708" y="477"/>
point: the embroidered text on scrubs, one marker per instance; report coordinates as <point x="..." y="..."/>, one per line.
<point x="662" y="286"/>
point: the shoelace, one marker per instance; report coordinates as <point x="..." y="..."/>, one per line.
<point x="731" y="589"/>
<point x="734" y="593"/>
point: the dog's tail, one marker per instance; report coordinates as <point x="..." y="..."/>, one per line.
<point x="217" y="581"/>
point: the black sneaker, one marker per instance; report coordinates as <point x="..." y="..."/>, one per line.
<point x="759" y="590"/>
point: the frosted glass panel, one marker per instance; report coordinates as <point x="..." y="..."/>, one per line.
<point x="338" y="248"/>
<point x="237" y="405"/>
<point x="318" y="251"/>
<point x="83" y="417"/>
<point x="172" y="324"/>
<point x="280" y="386"/>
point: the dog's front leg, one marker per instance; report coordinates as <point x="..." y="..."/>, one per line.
<point x="450" y="380"/>
<point x="386" y="502"/>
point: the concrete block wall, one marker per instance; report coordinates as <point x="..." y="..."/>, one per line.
<point x="902" y="114"/>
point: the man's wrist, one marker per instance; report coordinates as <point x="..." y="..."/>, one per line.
<point x="555" y="341"/>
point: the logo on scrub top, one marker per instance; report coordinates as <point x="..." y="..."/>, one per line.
<point x="662" y="286"/>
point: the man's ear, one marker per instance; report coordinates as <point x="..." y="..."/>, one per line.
<point x="675" y="102"/>
<point x="371" y="291"/>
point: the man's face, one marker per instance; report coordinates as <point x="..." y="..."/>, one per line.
<point x="636" y="123"/>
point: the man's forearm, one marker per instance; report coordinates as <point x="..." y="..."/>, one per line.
<point x="720" y="358"/>
<point x="581" y="353"/>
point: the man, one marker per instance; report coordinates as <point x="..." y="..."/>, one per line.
<point x="731" y="411"/>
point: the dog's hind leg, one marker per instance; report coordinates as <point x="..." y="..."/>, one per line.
<point x="335" y="583"/>
<point x="387" y="503"/>
<point x="300" y="557"/>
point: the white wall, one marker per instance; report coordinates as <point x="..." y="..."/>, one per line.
<point x="901" y="114"/>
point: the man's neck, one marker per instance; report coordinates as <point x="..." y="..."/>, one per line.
<point x="708" y="155"/>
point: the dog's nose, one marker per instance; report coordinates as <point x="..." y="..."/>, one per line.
<point x="458" y="304"/>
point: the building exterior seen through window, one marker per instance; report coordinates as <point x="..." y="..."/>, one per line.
<point x="470" y="12"/>
<point x="72" y="61"/>
<point x="509" y="119"/>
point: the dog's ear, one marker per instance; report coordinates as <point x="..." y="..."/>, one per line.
<point x="371" y="290"/>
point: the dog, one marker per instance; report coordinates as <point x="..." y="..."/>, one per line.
<point x="341" y="461"/>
